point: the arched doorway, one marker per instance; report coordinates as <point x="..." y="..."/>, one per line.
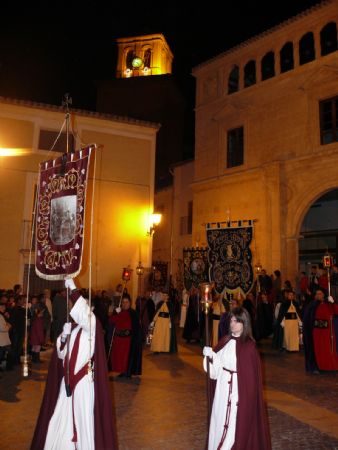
<point x="319" y="231"/>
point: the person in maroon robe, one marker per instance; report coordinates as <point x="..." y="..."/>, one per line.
<point x="325" y="333"/>
<point x="238" y="419"/>
<point x="125" y="352"/>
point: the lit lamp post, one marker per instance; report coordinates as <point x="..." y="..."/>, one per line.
<point x="154" y="221"/>
<point x="139" y="273"/>
<point x="206" y="302"/>
<point x="258" y="270"/>
<point x="327" y="263"/>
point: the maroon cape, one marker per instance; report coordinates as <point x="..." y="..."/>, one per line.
<point x="104" y="429"/>
<point x="37" y="336"/>
<point x="252" y="429"/>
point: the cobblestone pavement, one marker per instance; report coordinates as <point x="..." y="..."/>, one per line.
<point x="166" y="407"/>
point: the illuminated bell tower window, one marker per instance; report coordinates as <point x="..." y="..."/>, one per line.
<point x="129" y="60"/>
<point x="147" y="58"/>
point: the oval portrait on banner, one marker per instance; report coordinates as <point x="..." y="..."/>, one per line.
<point x="197" y="266"/>
<point x="63" y="219"/>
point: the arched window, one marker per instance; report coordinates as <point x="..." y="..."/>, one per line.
<point x="268" y="66"/>
<point x="306" y="48"/>
<point x="286" y="57"/>
<point x="233" y="81"/>
<point x="147" y="58"/>
<point x="250" y="73"/>
<point x="328" y="39"/>
<point x="129" y="59"/>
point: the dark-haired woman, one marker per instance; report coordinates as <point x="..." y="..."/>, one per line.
<point x="238" y="418"/>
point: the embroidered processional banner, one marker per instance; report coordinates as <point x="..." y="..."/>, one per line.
<point x="230" y="257"/>
<point x="60" y="215"/>
<point x="196" y="266"/>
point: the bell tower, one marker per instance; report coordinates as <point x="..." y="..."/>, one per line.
<point x="143" y="56"/>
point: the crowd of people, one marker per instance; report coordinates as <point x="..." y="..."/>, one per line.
<point x="303" y="317"/>
<point x="126" y="330"/>
<point x="294" y="318"/>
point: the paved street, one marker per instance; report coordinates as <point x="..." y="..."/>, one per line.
<point x="166" y="408"/>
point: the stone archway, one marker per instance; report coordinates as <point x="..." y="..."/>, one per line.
<point x="319" y="231"/>
<point x="298" y="207"/>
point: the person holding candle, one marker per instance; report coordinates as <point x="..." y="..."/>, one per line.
<point x="238" y="418"/>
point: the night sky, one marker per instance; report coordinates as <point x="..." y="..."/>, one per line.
<point x="52" y="48"/>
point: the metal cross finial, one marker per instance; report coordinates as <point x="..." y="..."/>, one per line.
<point x="67" y="100"/>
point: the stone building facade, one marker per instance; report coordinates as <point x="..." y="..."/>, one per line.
<point x="266" y="133"/>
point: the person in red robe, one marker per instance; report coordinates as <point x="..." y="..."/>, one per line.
<point x="325" y="333"/>
<point x="125" y="352"/>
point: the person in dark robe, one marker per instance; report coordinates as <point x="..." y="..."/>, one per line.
<point x="17" y="332"/>
<point x="309" y="313"/>
<point x="264" y="318"/>
<point x="238" y="418"/>
<point x="101" y="304"/>
<point x="192" y="330"/>
<point x="145" y="308"/>
<point x="265" y="282"/>
<point x="76" y="411"/>
<point x="125" y="350"/>
<point x="249" y="305"/>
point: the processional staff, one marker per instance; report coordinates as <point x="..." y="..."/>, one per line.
<point x="327" y="263"/>
<point x="66" y="102"/>
<point x="206" y="302"/>
<point x="126" y="274"/>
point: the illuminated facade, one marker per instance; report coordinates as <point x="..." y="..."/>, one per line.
<point x="266" y="133"/>
<point x="124" y="189"/>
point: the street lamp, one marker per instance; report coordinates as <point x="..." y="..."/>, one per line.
<point x="154" y="221"/>
<point x="139" y="273"/>
<point x="139" y="269"/>
<point x="258" y="270"/>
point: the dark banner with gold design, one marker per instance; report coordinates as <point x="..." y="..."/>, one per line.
<point x="60" y="215"/>
<point x="196" y="266"/>
<point x="230" y="257"/>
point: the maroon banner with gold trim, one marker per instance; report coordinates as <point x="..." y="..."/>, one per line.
<point x="61" y="215"/>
